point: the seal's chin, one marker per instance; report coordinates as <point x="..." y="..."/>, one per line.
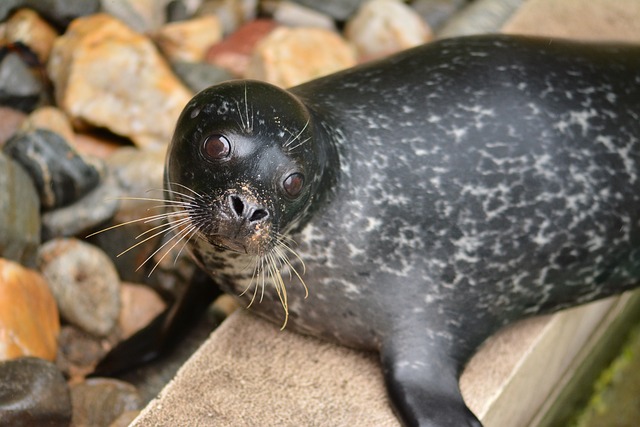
<point x="227" y="244"/>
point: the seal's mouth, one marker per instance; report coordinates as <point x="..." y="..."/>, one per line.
<point x="227" y="244"/>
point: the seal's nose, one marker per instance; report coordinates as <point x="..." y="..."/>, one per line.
<point x="247" y="211"/>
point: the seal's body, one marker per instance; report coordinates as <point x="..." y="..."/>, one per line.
<point x="434" y="197"/>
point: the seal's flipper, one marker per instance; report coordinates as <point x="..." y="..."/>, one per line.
<point x="422" y="383"/>
<point x="164" y="332"/>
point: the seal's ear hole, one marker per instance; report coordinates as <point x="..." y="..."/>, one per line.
<point x="293" y="184"/>
<point x="216" y="147"/>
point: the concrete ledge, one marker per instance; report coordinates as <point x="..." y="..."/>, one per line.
<point x="250" y="373"/>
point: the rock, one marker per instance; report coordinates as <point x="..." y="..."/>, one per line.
<point x="100" y="401"/>
<point x="79" y="352"/>
<point x="80" y="217"/>
<point x="479" y="17"/>
<point x="19" y="213"/>
<point x="84" y="283"/>
<point x="106" y="75"/>
<point x="293" y="14"/>
<point x="139" y="15"/>
<point x="234" y="52"/>
<point x="60" y="174"/>
<point x="189" y="40"/>
<point x="233" y="14"/>
<point x="29" y="322"/>
<point x="8" y="6"/>
<point x="437" y="12"/>
<point x="339" y="10"/>
<point x="10" y="122"/>
<point x="26" y="26"/>
<point x="140" y="305"/>
<point x="200" y="75"/>
<point x="62" y="12"/>
<point x="383" y="27"/>
<point x="33" y="393"/>
<point x="95" y="144"/>
<point x="290" y="56"/>
<point x="19" y="88"/>
<point x="50" y="118"/>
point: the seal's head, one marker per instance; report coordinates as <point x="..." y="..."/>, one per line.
<point x="242" y="166"/>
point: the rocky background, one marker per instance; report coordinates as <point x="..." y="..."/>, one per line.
<point x="89" y="94"/>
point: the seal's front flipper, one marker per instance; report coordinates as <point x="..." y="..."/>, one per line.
<point x="165" y="331"/>
<point x="422" y="384"/>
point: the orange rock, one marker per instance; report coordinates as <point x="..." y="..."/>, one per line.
<point x="107" y="75"/>
<point x="290" y="56"/>
<point x="189" y="40"/>
<point x="50" y="118"/>
<point x="29" y="321"/>
<point x="26" y="26"/>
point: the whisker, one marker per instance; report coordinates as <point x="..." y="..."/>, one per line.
<point x="180" y="235"/>
<point x="195" y="193"/>
<point x="173" y="226"/>
<point x="143" y="220"/>
<point x="293" y="138"/>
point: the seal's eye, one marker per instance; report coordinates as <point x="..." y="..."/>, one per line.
<point x="293" y="184"/>
<point x="216" y="147"/>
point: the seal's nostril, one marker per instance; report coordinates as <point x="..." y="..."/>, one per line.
<point x="258" y="215"/>
<point x="237" y="204"/>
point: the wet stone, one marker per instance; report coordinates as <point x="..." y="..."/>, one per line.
<point x="479" y="17"/>
<point x="78" y="218"/>
<point x="19" y="88"/>
<point x="100" y="401"/>
<point x="84" y="282"/>
<point x="33" y="392"/>
<point x="200" y="75"/>
<point x="19" y="213"/>
<point x="29" y="321"/>
<point x="141" y="16"/>
<point x="60" y="174"/>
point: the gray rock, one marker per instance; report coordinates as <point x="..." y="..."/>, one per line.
<point x="437" y="12"/>
<point x="479" y="17"/>
<point x="19" y="214"/>
<point x="200" y="75"/>
<point x="85" y="214"/>
<point x="60" y="174"/>
<point x="100" y="401"/>
<point x="139" y="16"/>
<point x="340" y="10"/>
<point x="78" y="352"/>
<point x="61" y="12"/>
<point x="8" y="6"/>
<point x="232" y="13"/>
<point x="84" y="283"/>
<point x="19" y="88"/>
<point x="33" y="392"/>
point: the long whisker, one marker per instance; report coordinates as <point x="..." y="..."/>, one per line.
<point x="195" y="193"/>
<point x="294" y="138"/>
<point x="172" y="226"/>
<point x="180" y="235"/>
<point x="145" y="220"/>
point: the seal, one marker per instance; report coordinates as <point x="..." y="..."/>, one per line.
<point x="422" y="202"/>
